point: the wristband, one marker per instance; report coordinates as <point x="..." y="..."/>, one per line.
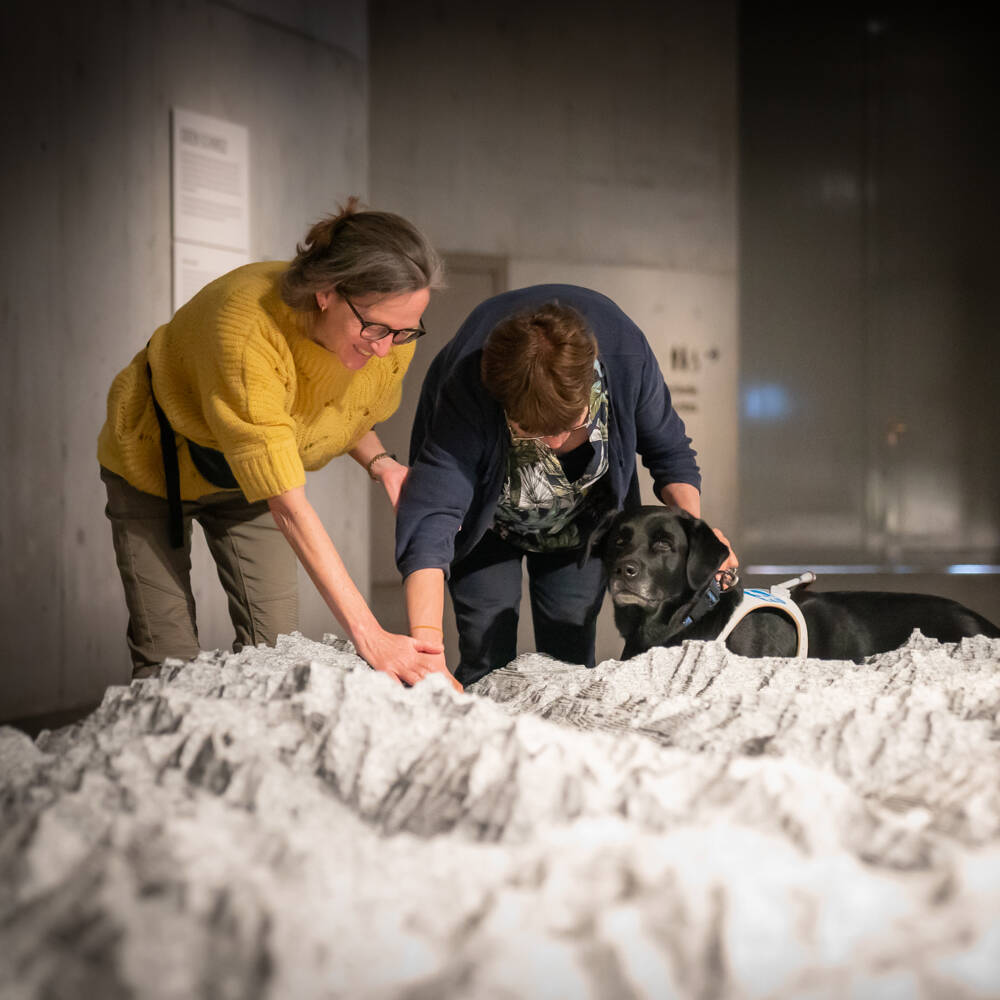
<point x="377" y="458"/>
<point x="436" y="629"/>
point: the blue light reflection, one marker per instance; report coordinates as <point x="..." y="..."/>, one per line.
<point x="766" y="402"/>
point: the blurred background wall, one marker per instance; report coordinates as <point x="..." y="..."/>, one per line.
<point x="869" y="318"/>
<point x="795" y="205"/>
<point x="86" y="277"/>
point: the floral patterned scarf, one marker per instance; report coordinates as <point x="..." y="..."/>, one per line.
<point x="539" y="509"/>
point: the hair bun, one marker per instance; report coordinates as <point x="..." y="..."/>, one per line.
<point x="352" y="205"/>
<point x="359" y="252"/>
<point x="319" y="239"/>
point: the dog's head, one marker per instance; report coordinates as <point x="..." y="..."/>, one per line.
<point x="656" y="558"/>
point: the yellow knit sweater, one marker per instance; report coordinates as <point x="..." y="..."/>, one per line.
<point x="236" y="370"/>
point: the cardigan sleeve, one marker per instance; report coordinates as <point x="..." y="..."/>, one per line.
<point x="661" y="438"/>
<point x="446" y="474"/>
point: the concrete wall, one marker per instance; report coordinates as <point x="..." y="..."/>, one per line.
<point x="603" y="133"/>
<point x="85" y="278"/>
<point x="590" y="143"/>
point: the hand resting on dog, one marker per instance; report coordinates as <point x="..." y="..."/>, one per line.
<point x="660" y="559"/>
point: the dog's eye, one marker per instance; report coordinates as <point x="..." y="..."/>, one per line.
<point x="619" y="541"/>
<point x="663" y="545"/>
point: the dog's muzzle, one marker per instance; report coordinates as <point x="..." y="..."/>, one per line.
<point x="628" y="586"/>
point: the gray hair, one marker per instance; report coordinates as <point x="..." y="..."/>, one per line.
<point x="358" y="253"/>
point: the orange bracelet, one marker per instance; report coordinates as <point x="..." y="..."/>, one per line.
<point x="436" y="629"/>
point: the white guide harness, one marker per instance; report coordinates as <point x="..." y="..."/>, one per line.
<point x="778" y="598"/>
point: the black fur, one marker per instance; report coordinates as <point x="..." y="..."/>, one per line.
<point x="658" y="557"/>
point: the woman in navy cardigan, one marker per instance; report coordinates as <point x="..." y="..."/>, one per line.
<point x="526" y="435"/>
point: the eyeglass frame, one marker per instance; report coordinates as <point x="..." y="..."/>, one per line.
<point x="412" y="333"/>
<point x="538" y="437"/>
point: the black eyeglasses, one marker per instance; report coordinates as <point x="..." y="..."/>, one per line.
<point x="379" y="331"/>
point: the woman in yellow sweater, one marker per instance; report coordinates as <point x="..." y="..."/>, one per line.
<point x="268" y="371"/>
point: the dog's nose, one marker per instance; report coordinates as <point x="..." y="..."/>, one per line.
<point x="627" y="568"/>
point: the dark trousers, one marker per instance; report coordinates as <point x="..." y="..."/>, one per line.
<point x="486" y="592"/>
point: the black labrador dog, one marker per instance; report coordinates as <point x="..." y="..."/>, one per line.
<point x="662" y="564"/>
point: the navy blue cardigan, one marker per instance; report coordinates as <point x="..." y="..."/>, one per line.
<point x="458" y="446"/>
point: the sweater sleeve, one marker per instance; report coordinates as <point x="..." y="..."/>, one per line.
<point x="246" y="397"/>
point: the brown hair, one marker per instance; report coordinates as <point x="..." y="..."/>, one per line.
<point x="357" y="253"/>
<point x="539" y="365"/>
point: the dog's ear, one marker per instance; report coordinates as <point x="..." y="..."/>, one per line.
<point x="596" y="538"/>
<point x="705" y="552"/>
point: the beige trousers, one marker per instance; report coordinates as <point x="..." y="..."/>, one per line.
<point x="257" y="570"/>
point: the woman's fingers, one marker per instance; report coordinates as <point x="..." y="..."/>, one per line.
<point x="727" y="571"/>
<point x="428" y="646"/>
<point x="731" y="561"/>
<point x="438" y="663"/>
<point x="410" y="660"/>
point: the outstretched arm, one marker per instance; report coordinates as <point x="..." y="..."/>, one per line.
<point x="425" y="607"/>
<point x="400" y="656"/>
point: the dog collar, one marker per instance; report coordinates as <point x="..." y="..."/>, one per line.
<point x="703" y="601"/>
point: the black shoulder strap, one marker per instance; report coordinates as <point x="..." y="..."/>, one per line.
<point x="168" y="448"/>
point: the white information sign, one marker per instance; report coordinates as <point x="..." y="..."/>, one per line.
<point x="210" y="187"/>
<point x="210" y="181"/>
<point x="195" y="266"/>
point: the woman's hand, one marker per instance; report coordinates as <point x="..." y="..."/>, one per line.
<point x="401" y="656"/>
<point x="370" y="454"/>
<point x="727" y="571"/>
<point x="688" y="498"/>
<point x="424" y="590"/>
<point x="407" y="659"/>
<point x="391" y="474"/>
<point x="436" y="636"/>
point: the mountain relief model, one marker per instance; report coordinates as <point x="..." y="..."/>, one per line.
<point x="287" y="823"/>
